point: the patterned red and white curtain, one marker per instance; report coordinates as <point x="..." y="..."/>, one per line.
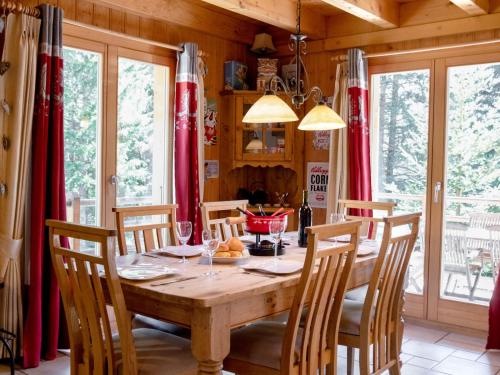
<point x="494" y="319"/>
<point x="186" y="146"/>
<point x="360" y="187"/>
<point x="48" y="201"/>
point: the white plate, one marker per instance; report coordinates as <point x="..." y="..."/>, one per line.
<point x="179" y="251"/>
<point x="145" y="272"/>
<point x="283" y="267"/>
<point x="227" y="260"/>
<point x="367" y="247"/>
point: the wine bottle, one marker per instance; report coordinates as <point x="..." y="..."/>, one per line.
<point x="305" y="219"/>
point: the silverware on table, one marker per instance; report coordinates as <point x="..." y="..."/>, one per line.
<point x="260" y="274"/>
<point x="175" y="281"/>
<point x="150" y="255"/>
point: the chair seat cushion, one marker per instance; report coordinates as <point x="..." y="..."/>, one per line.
<point x="142" y="321"/>
<point x="158" y="352"/>
<point x="350" y="320"/>
<point x="358" y="294"/>
<point x="259" y="344"/>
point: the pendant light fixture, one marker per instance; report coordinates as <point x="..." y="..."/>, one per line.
<point x="271" y="108"/>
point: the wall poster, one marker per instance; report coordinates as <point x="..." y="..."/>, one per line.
<point x="210" y="122"/>
<point x="317" y="184"/>
<point x="211" y="169"/>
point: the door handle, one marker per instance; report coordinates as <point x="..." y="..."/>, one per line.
<point x="114" y="180"/>
<point x="437" y="190"/>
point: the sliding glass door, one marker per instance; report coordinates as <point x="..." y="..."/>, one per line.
<point x="118" y="146"/>
<point x="468" y="210"/>
<point x="436" y="149"/>
<point x="141" y="133"/>
<point x="399" y="145"/>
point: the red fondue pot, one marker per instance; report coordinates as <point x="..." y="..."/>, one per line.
<point x="260" y="224"/>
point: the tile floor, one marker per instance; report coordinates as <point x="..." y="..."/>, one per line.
<point x="426" y="351"/>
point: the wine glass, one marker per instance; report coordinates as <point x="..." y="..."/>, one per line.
<point x="337" y="218"/>
<point x="276" y="229"/>
<point x="210" y="240"/>
<point x="184" y="230"/>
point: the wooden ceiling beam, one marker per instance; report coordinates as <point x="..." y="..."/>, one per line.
<point x="407" y="33"/>
<point x="473" y="7"/>
<point x="383" y="13"/>
<point x="279" y="13"/>
<point x="189" y="15"/>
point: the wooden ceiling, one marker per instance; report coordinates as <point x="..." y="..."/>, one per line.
<point x="317" y="15"/>
<point x="337" y="23"/>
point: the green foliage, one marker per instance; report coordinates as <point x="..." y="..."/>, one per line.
<point x="82" y="123"/>
<point x="473" y="159"/>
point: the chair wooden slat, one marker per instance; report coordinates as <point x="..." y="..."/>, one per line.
<point x="318" y="341"/>
<point x="92" y="349"/>
<point x="381" y="321"/>
<point x="214" y="216"/>
<point x="148" y="232"/>
<point x="309" y="343"/>
<point x="386" y="208"/>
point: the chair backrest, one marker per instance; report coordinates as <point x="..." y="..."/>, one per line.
<point x="317" y="340"/>
<point x="149" y="234"/>
<point x="381" y="317"/>
<point x="495" y="246"/>
<point x="483" y="219"/>
<point x="92" y="349"/>
<point x="214" y="216"/>
<point x="368" y="212"/>
<point x="455" y="244"/>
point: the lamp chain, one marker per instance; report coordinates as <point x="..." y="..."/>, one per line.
<point x="298" y="17"/>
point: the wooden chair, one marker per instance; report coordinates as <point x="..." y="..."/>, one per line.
<point x="383" y="208"/>
<point x="308" y="342"/>
<point x="459" y="257"/>
<point x="149" y="234"/>
<point x="375" y="322"/>
<point x="214" y="216"/>
<point x="495" y="249"/>
<point x="94" y="350"/>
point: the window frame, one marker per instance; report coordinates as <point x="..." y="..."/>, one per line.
<point x="112" y="47"/>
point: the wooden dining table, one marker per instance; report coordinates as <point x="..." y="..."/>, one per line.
<point x="211" y="307"/>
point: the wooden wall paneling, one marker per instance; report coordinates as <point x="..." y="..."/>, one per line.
<point x="117" y="20"/>
<point x="146" y="28"/>
<point x="189" y="14"/>
<point x="132" y="24"/>
<point x="100" y="16"/>
<point x="69" y="7"/>
<point x="160" y="31"/>
<point x="84" y="11"/>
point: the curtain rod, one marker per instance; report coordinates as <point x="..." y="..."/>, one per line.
<point x="419" y="50"/>
<point x="131" y="38"/>
<point x="16" y="7"/>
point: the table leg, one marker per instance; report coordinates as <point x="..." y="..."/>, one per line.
<point x="210" y="337"/>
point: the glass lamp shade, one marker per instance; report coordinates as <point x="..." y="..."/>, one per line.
<point x="269" y="108"/>
<point x="321" y="117"/>
<point x="254" y="145"/>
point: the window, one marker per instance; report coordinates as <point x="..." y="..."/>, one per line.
<point x="142" y="118"/>
<point x="399" y="135"/>
<point x="116" y="119"/>
<point x="82" y="134"/>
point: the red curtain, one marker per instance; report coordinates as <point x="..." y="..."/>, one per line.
<point x="360" y="187"/>
<point x="494" y="326"/>
<point x="187" y="190"/>
<point x="48" y="201"/>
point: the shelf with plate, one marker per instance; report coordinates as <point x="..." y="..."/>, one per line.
<point x="271" y="154"/>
